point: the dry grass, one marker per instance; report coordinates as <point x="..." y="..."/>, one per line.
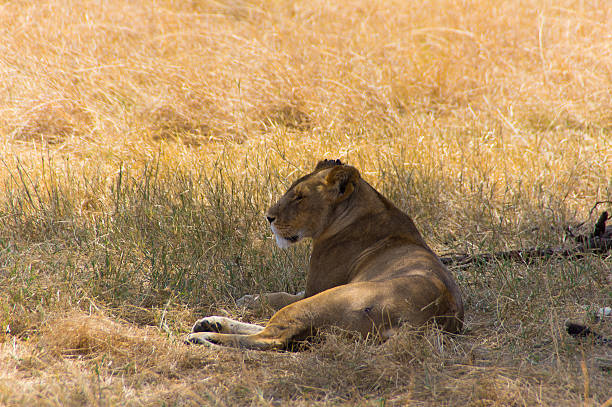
<point x="142" y="141"/>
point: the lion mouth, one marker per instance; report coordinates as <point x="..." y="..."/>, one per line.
<point x="284" y="242"/>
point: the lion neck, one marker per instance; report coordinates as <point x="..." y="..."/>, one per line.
<point x="360" y="222"/>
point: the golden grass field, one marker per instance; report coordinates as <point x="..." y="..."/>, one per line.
<point x="142" y="142"/>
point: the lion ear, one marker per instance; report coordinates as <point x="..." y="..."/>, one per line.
<point x="342" y="181"/>
<point x="323" y="164"/>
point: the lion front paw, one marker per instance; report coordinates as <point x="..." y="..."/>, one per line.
<point x="201" y="338"/>
<point x="208" y="324"/>
<point x="248" y="301"/>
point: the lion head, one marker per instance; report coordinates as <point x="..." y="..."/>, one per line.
<point x="312" y="202"/>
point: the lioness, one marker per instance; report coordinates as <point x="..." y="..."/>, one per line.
<point x="370" y="269"/>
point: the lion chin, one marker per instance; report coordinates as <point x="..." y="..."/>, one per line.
<point x="284" y="242"/>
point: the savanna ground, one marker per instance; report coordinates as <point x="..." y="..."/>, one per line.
<point x="142" y="142"/>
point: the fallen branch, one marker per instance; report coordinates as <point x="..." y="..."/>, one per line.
<point x="598" y="242"/>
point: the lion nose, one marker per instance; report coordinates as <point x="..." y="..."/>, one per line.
<point x="270" y="218"/>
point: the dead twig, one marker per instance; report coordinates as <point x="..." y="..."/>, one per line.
<point x="598" y="242"/>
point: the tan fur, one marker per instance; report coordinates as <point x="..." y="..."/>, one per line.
<point x="370" y="269"/>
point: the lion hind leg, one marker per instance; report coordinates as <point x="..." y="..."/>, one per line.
<point x="353" y="307"/>
<point x="368" y="307"/>
<point x="225" y="325"/>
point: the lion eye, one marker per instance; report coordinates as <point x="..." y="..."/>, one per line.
<point x="298" y="197"/>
